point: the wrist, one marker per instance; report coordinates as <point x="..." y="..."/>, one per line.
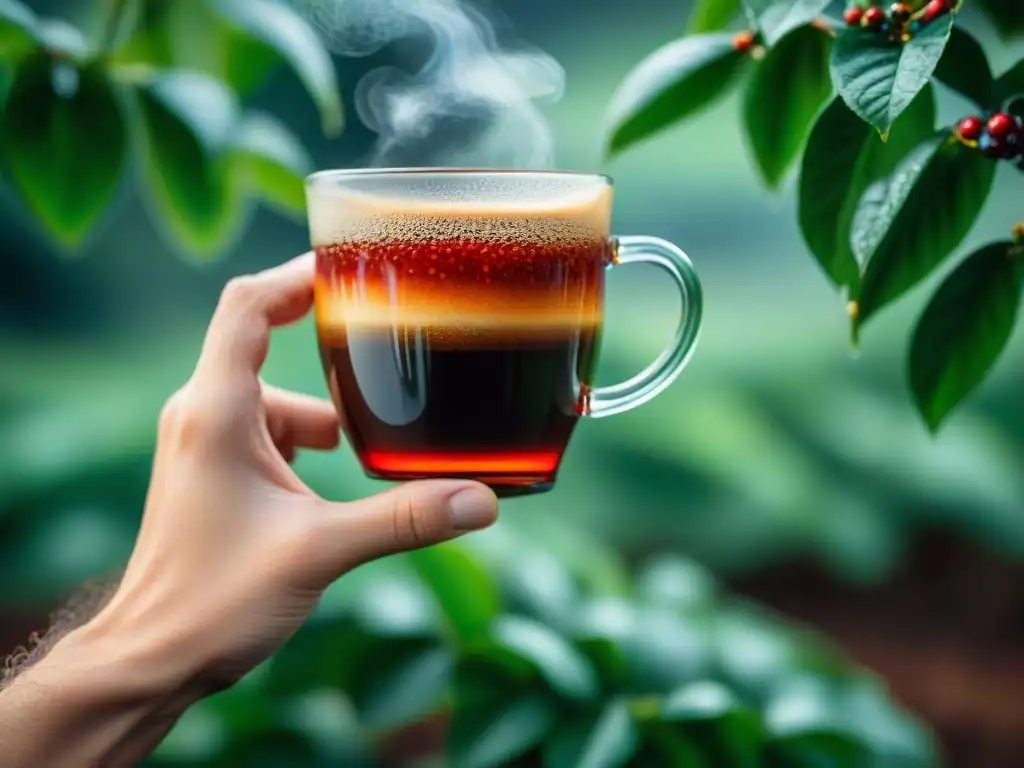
<point x="96" y="698"/>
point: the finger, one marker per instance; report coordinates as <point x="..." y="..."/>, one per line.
<point x="238" y="338"/>
<point x="409" y="516"/>
<point x="300" y="421"/>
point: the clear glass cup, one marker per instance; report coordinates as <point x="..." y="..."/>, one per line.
<point x="459" y="316"/>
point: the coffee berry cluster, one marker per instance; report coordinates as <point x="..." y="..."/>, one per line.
<point x="1001" y="137"/>
<point x="900" y="22"/>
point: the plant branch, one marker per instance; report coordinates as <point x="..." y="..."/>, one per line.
<point x="115" y="20"/>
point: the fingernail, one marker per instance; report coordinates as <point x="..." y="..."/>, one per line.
<point x="472" y="509"/>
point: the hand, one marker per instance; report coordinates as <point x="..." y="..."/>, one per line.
<point x="234" y="549"/>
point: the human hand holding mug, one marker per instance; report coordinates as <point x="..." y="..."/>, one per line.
<point x="459" y="315"/>
<point x="233" y="553"/>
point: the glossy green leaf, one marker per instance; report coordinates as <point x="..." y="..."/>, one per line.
<point x="284" y="30"/>
<point x="192" y="36"/>
<point x="964" y="68"/>
<point x="493" y="737"/>
<point x="569" y="673"/>
<point x="65" y="141"/>
<point x="272" y="162"/>
<point x="465" y="592"/>
<point x="409" y="691"/>
<point x="964" y="329"/>
<point x="605" y="739"/>
<point x="1007" y="16"/>
<point x="187" y="121"/>
<point x="486" y="673"/>
<point x="1009" y="85"/>
<point x="712" y="15"/>
<point x="676" y="81"/>
<point x="907" y="225"/>
<point x="783" y="96"/>
<point x="397" y="607"/>
<point x="537" y="585"/>
<point x="62" y="40"/>
<point x="709" y="712"/>
<point x="776" y="18"/>
<point x="661" y="649"/>
<point x="843" y="157"/>
<point x="676" y="582"/>
<point x="807" y="726"/>
<point x="17" y="29"/>
<point x="877" y="78"/>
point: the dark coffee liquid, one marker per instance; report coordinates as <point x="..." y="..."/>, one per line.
<point x="460" y="358"/>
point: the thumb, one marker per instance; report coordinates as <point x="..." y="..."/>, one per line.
<point x="409" y="516"/>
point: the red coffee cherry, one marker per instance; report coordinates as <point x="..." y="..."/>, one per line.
<point x="874" y="17"/>
<point x="852" y="16"/>
<point x="934" y="9"/>
<point x="970" y="128"/>
<point x="1000" y="124"/>
<point x="743" y="41"/>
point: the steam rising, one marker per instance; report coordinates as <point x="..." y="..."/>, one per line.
<point x="471" y="104"/>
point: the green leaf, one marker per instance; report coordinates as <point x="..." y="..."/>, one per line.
<point x="907" y="225"/>
<point x="408" y="692"/>
<point x="494" y="736"/>
<point x="464" y="590"/>
<point x="272" y="162"/>
<point x="712" y="15"/>
<point x="65" y="139"/>
<point x="17" y="30"/>
<point x="187" y="121"/>
<point x="676" y="582"/>
<point x="877" y="78"/>
<point x="806" y="727"/>
<point x="1010" y="84"/>
<point x="192" y="36"/>
<point x="842" y="159"/>
<point x="783" y="96"/>
<point x="606" y="739"/>
<point x="1007" y="16"/>
<point x="676" y="81"/>
<point x="776" y="18"/>
<point x="964" y="68"/>
<point x="708" y="711"/>
<point x="660" y="648"/>
<point x="297" y="43"/>
<point x="569" y="673"/>
<point x="964" y="329"/>
<point x="536" y="584"/>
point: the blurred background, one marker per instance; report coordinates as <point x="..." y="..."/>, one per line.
<point x="794" y="470"/>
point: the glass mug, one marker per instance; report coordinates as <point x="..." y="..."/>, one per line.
<point x="459" y="315"/>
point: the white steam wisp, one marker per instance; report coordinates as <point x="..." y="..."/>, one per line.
<point x="471" y="104"/>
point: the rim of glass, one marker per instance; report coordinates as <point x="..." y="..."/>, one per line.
<point x="340" y="174"/>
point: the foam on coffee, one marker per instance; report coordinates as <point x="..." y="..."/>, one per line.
<point x="460" y="267"/>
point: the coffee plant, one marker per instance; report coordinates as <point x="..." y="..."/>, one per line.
<point x="886" y="196"/>
<point x="159" y="90"/>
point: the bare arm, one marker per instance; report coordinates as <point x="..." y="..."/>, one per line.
<point x="94" y="699"/>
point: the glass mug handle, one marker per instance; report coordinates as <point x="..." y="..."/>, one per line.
<point x="618" y="398"/>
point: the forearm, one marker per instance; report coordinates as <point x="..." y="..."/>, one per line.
<point x="94" y="700"/>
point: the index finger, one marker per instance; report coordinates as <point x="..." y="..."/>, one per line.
<point x="238" y="338"/>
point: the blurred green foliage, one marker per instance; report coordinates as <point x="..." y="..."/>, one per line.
<point x="529" y="662"/>
<point x="167" y="93"/>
